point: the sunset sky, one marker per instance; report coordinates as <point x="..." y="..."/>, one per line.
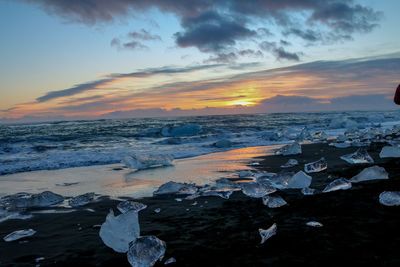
<point x="70" y="59"/>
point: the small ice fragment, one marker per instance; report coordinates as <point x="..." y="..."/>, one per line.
<point x="90" y="210"/>
<point x="274" y="201"/>
<point x="390" y="198"/>
<point x="194" y="203"/>
<point x="178" y="199"/>
<point x="359" y="157"/>
<point x="146" y="251"/>
<point x="39" y="259"/>
<point x="314" y="224"/>
<point x="266" y="234"/>
<point x="81" y="200"/>
<point x="141" y="162"/>
<point x="223" y="143"/>
<point x="191" y="197"/>
<point x="19" y="234"/>
<point x="307" y="191"/>
<point x="390" y="152"/>
<point x="128" y="205"/>
<point x="371" y="173"/>
<point x="13" y="215"/>
<point x="338" y="184"/>
<point x="299" y="180"/>
<point x="316" y="166"/>
<point x="290" y="163"/>
<point x="257" y="190"/>
<point x="170" y="260"/>
<point x="157" y="210"/>
<point x="117" y="231"/>
<point x="245" y="174"/>
<point x="291" y="149"/>
<point x="26" y="200"/>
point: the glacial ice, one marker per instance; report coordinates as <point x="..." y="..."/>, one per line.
<point x="314" y="224"/>
<point x="170" y="260"/>
<point x="117" y="231"/>
<point x="307" y="191"/>
<point x="81" y="200"/>
<point x="274" y="201"/>
<point x="338" y="184"/>
<point x="390" y="198"/>
<point x="299" y="180"/>
<point x="304" y="135"/>
<point x="157" y="210"/>
<point x="245" y="174"/>
<point x="169" y="188"/>
<point x="146" y="251"/>
<point x="390" y="152"/>
<point x="128" y="205"/>
<point x="291" y="149"/>
<point x="188" y="189"/>
<point x="223" y="143"/>
<point x="183" y="130"/>
<point x="359" y="157"/>
<point x="223" y="194"/>
<point x="141" y="162"/>
<point x="19" y="234"/>
<point x="266" y="234"/>
<point x="371" y="173"/>
<point x="257" y="190"/>
<point x="290" y="163"/>
<point x="342" y="122"/>
<point x="13" y="215"/>
<point x="26" y="200"/>
<point x="316" y="166"/>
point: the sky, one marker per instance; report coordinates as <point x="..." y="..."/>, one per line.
<point x="83" y="59"/>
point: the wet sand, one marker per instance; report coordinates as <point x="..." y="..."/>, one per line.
<point x="357" y="229"/>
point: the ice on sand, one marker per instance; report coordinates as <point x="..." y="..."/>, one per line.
<point x="266" y="234"/>
<point x="371" y="173"/>
<point x="390" y="152"/>
<point x="314" y="224"/>
<point x="307" y="191"/>
<point x="81" y="200"/>
<point x="359" y="157"/>
<point x="128" y="205"/>
<point x="390" y="198"/>
<point x="170" y="260"/>
<point x="290" y="163"/>
<point x="19" y="234"/>
<point x="274" y="201"/>
<point x="176" y="188"/>
<point x="141" y="162"/>
<point x="117" y="231"/>
<point x="291" y="149"/>
<point x="245" y="174"/>
<point x="26" y="200"/>
<point x="146" y="251"/>
<point x="257" y="190"/>
<point x="223" y="194"/>
<point x="299" y="180"/>
<point x="338" y="184"/>
<point x="13" y="215"/>
<point x="316" y="166"/>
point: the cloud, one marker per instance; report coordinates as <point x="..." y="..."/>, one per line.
<point x="144" y="35"/>
<point x="279" y="51"/>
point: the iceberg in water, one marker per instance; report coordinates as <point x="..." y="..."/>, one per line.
<point x="390" y="198"/>
<point x="314" y="224"/>
<point x="299" y="180"/>
<point x="358" y="157"/>
<point x="266" y="234"/>
<point x="290" y="163"/>
<point x="146" y="251"/>
<point x="26" y="200"/>
<point x="183" y="130"/>
<point x="291" y="149"/>
<point x="338" y="184"/>
<point x="128" y="205"/>
<point x="257" y="190"/>
<point x="19" y="234"/>
<point x="390" y="152"/>
<point x="274" y="201"/>
<point x="371" y="173"/>
<point x="316" y="166"/>
<point x="117" y="231"/>
<point x="141" y="162"/>
<point x="81" y="200"/>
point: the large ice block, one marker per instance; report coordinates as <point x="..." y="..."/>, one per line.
<point x="390" y="152"/>
<point x="299" y="180"/>
<point x="81" y="200"/>
<point x="145" y="251"/>
<point x="316" y="166"/>
<point x="170" y="188"/>
<point x="371" y="173"/>
<point x="291" y="149"/>
<point x="257" y="190"/>
<point x="338" y="184"/>
<point x="359" y="157"/>
<point x="26" y="200"/>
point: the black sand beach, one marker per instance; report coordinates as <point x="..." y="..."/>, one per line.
<point x="357" y="229"/>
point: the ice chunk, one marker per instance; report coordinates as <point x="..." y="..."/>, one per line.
<point x="141" y="162"/>
<point x="266" y="234"/>
<point x="81" y="200"/>
<point x="314" y="224"/>
<point x="371" y="173"/>
<point x="169" y="188"/>
<point x="257" y="190"/>
<point x="183" y="130"/>
<point x="223" y="194"/>
<point x="146" y="251"/>
<point x="338" y="184"/>
<point x="390" y="198"/>
<point x="274" y="201"/>
<point x="245" y="174"/>
<point x="188" y="189"/>
<point x="290" y="163"/>
<point x="170" y="260"/>
<point x="307" y="191"/>
<point x="178" y="199"/>
<point x="304" y="135"/>
<point x="390" y="152"/>
<point x="223" y="143"/>
<point x="358" y="157"/>
<point x="316" y="166"/>
<point x="342" y="122"/>
<point x="157" y="210"/>
<point x="13" y="215"/>
<point x="117" y="231"/>
<point x="340" y="145"/>
<point x="299" y="180"/>
<point x="128" y="205"/>
<point x="291" y="149"/>
<point x="26" y="200"/>
<point x="19" y="234"/>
